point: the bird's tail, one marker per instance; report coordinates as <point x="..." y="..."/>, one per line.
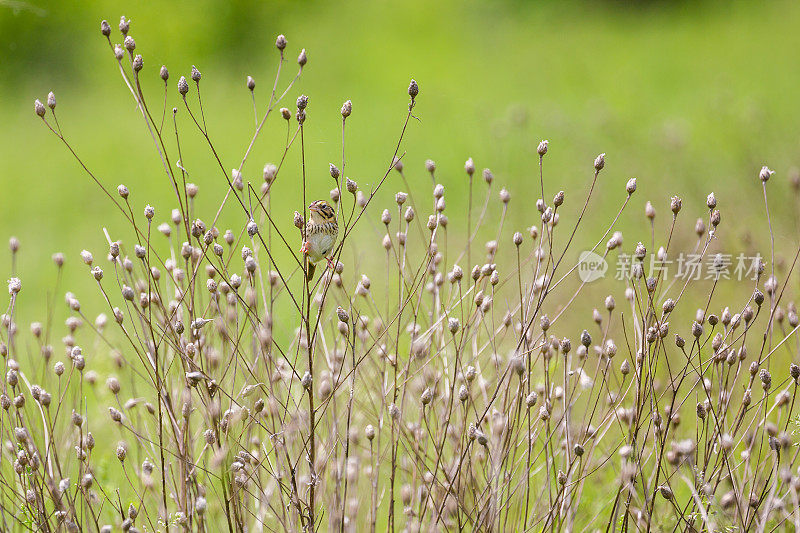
<point x="310" y="267"/>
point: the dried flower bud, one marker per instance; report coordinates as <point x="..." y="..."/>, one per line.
<point x="649" y="211"/>
<point x="715" y="217"/>
<point x="280" y="42"/>
<point x="39" y="108"/>
<point x="302" y="58"/>
<point x="765" y="174"/>
<point x="183" y="86"/>
<point x="600" y="162"/>
<point x="347" y="109"/>
<point x="453" y="325"/>
<point x="631" y="186"/>
<point x="413" y="89"/>
<point x="675" y="204"/>
<point x="542" y="148"/>
<point x="505" y="196"/>
<point x="105" y="28"/>
<point x="306" y="381"/>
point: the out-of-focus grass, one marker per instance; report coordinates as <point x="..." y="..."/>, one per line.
<point x="688" y="98"/>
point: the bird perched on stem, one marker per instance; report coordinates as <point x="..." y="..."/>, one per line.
<point x="320" y="235"/>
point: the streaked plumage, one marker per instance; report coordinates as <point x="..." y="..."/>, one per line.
<point x="322" y="229"/>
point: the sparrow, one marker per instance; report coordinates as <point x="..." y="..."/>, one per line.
<point x="320" y="235"/>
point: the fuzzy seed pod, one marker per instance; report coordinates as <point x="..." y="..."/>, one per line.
<point x="183" y="86"/>
<point x="675" y="205"/>
<point x="600" y="162"/>
<point x="413" y="89"/>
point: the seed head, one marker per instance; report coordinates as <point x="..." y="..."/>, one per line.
<point x="765" y="174"/>
<point x="183" y="86"/>
<point x="699" y="227"/>
<point x="453" y="325"/>
<point x="488" y="177"/>
<point x="14" y="286"/>
<point x="675" y="205"/>
<point x="600" y="162"/>
<point x="649" y="211"/>
<point x="280" y="42"/>
<point x="302" y="59"/>
<point x="505" y="196"/>
<point x="351" y="186"/>
<point x="129" y="44"/>
<point x="164" y="73"/>
<point x="138" y="63"/>
<point x="369" y="431"/>
<point x="124" y="25"/>
<point x="252" y="228"/>
<point x="413" y="89"/>
<point x="631" y="186"/>
<point x="196" y="74"/>
<point x="766" y="379"/>
<point x="286" y="114"/>
<point x="39" y="108"/>
<point x="542" y="148"/>
<point x="105" y="28"/>
<point x="469" y="167"/>
<point x="347" y="109"/>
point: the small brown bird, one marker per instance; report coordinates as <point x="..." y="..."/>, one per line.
<point x="322" y="229"/>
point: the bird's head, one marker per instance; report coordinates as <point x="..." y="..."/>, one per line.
<point x="322" y="211"/>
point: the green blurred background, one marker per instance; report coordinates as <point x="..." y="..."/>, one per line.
<point x="689" y="97"/>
